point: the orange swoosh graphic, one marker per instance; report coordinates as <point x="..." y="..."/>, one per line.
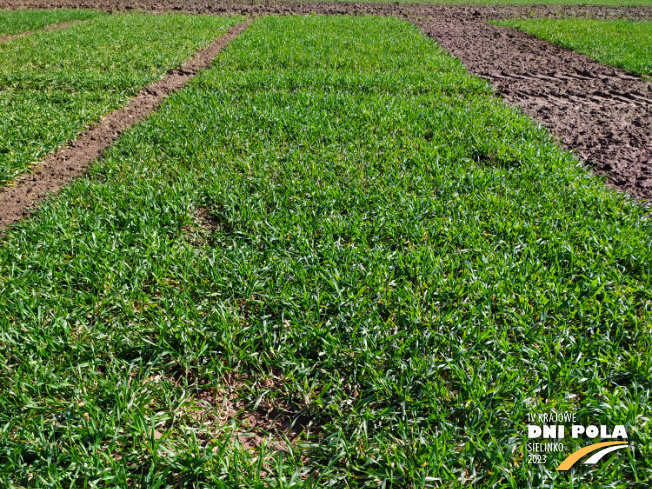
<point x="574" y="457"/>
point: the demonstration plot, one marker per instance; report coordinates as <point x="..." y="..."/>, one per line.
<point x="18" y="21"/>
<point x="53" y="84"/>
<point x="338" y="224"/>
<point x="624" y="44"/>
<point x="600" y="112"/>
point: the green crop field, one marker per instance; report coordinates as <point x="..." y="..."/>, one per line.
<point x="17" y="21"/>
<point x="338" y="223"/>
<point x="54" y="84"/>
<point x="620" y="43"/>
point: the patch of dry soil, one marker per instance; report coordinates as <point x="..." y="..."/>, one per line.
<point x="280" y="419"/>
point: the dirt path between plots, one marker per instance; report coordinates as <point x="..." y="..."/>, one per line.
<point x="53" y="27"/>
<point x="252" y="8"/>
<point x="71" y="161"/>
<point x="603" y="114"/>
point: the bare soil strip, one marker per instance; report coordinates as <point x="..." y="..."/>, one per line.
<point x="230" y="7"/>
<point x="54" y="27"/>
<point x="603" y="114"/>
<point x="71" y="161"/>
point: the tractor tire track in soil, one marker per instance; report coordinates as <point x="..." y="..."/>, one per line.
<point x="71" y="161"/>
<point x="53" y="27"/>
<point x="603" y="114"/>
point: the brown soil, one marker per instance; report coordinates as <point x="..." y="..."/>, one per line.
<point x="53" y="27"/>
<point x="13" y="36"/>
<point x="458" y="13"/>
<point x="278" y="419"/>
<point x="71" y="161"/>
<point x="603" y="114"/>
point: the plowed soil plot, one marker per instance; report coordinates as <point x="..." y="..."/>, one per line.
<point x="604" y="114"/>
<point x="452" y="13"/>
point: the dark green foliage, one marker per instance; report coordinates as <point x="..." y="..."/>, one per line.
<point x="340" y="218"/>
<point x="18" y="21"/>
<point x="54" y="84"/>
